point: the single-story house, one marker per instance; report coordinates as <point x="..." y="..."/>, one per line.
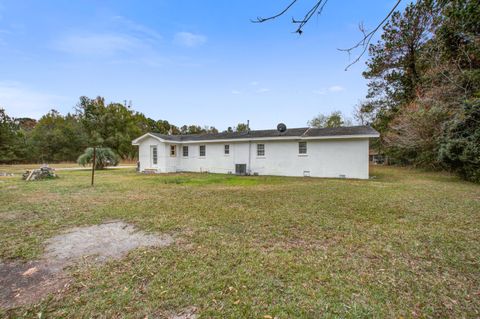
<point x="319" y="152"/>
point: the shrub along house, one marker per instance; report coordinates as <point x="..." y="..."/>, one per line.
<point x="320" y="152"/>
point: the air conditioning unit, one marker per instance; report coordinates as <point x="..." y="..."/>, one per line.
<point x="241" y="169"/>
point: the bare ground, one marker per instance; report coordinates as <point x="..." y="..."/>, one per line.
<point x="26" y="283"/>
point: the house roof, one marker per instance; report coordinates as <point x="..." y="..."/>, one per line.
<point x="302" y="132"/>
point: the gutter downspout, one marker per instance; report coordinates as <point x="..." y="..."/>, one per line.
<point x="249" y="157"/>
<point x="249" y="150"/>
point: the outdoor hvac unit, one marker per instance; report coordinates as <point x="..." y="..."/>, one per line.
<point x="241" y="169"/>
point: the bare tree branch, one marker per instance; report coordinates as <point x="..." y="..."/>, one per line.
<point x="367" y="37"/>
<point x="318" y="8"/>
<point x="260" y="19"/>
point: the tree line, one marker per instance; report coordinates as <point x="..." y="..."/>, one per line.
<point x="56" y="137"/>
<point x="424" y="86"/>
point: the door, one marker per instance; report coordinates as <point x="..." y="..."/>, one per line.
<point x="153" y="156"/>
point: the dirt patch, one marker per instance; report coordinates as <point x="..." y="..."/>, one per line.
<point x="105" y="241"/>
<point x="186" y="313"/>
<point x="25" y="283"/>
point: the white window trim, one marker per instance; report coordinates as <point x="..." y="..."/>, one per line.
<point x="200" y="153"/>
<point x="306" y="149"/>
<point x="261" y="156"/>
<point x="188" y="151"/>
<point x="229" y="149"/>
<point x="175" y="150"/>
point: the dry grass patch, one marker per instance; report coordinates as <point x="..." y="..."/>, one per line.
<point x="404" y="244"/>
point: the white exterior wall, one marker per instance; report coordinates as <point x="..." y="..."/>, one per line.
<point x="145" y="158"/>
<point x="324" y="158"/>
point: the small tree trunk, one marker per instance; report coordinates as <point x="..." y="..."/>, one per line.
<point x="93" y="164"/>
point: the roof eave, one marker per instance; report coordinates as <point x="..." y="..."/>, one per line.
<point x="138" y="139"/>
<point x="276" y="138"/>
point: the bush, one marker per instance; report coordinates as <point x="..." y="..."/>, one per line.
<point x="460" y="149"/>
<point x="104" y="157"/>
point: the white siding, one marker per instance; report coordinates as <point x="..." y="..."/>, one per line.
<point x="324" y="158"/>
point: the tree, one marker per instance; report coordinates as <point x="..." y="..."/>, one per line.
<point x="57" y="138"/>
<point x="114" y="125"/>
<point x="460" y="147"/>
<point x="104" y="157"/>
<point x="424" y="74"/>
<point x="241" y="127"/>
<point x="395" y="66"/>
<point x="335" y="119"/>
<point x="11" y="149"/>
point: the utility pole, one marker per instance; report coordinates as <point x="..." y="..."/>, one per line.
<point x="93" y="163"/>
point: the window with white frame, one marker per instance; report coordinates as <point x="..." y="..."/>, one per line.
<point x="203" y="150"/>
<point x="302" y="148"/>
<point x="260" y="149"/>
<point x="226" y="149"/>
<point x="185" y="151"/>
<point x="173" y="150"/>
<point x="154" y="153"/>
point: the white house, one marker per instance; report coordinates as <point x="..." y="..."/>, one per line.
<point x="320" y="152"/>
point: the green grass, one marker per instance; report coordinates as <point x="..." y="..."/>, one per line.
<point x="405" y="244"/>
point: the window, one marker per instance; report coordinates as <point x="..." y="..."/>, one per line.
<point x="185" y="151"/>
<point x="226" y="149"/>
<point x="302" y="147"/>
<point x="203" y="150"/>
<point x="154" y="154"/>
<point x="173" y="150"/>
<point x="260" y="149"/>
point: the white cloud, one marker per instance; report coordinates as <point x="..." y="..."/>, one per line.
<point x="320" y="92"/>
<point x="254" y="83"/>
<point x="236" y="92"/>
<point x="189" y="39"/>
<point x="263" y="90"/>
<point x="331" y="89"/>
<point x="21" y="101"/>
<point x="336" y="88"/>
<point x="120" y="40"/>
<point x="137" y="29"/>
<point x="97" y="44"/>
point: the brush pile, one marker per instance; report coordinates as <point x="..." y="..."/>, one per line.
<point x="43" y="172"/>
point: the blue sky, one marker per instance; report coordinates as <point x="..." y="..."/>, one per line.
<point x="186" y="61"/>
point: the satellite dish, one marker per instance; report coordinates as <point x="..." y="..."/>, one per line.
<point x="281" y="127"/>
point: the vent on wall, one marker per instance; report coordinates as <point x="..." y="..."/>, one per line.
<point x="342" y="176"/>
<point x="306" y="173"/>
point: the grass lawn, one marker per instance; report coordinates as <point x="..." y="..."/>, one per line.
<point x="405" y="244"/>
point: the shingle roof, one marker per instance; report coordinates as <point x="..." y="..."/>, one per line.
<point x="291" y="132"/>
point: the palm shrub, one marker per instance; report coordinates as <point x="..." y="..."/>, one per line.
<point x="104" y="157"/>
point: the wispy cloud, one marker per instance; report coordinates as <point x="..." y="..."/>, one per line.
<point x="20" y="100"/>
<point x="120" y="40"/>
<point x="331" y="89"/>
<point x="254" y="83"/>
<point x="336" y="88"/>
<point x="236" y="92"/>
<point x="262" y="90"/>
<point x="140" y="30"/>
<point x="97" y="44"/>
<point x="320" y="92"/>
<point x="189" y="39"/>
